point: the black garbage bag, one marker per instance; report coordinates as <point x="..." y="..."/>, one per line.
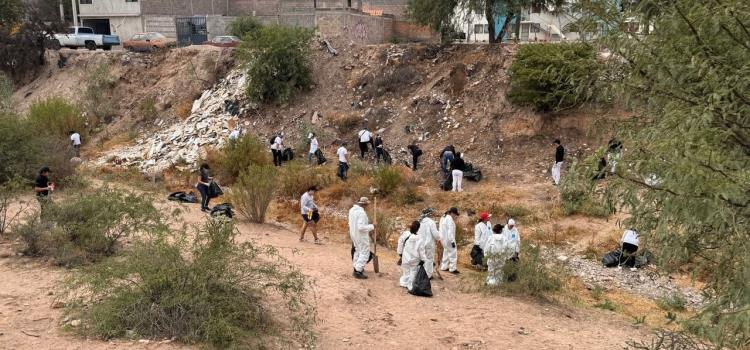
<point x="387" y="158"/>
<point x="421" y="286"/>
<point x="287" y="155"/>
<point x="612" y="259"/>
<point x="320" y="156"/>
<point x="447" y="183"/>
<point x="183" y="197"/>
<point x="224" y="209"/>
<point x="472" y="173"/>
<point x="477" y="255"/>
<point x="214" y="190"/>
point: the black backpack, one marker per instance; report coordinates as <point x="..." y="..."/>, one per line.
<point x="421" y="285"/>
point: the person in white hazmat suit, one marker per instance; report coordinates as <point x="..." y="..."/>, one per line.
<point x="482" y="231"/>
<point x="448" y="239"/>
<point x="497" y="251"/>
<point x="428" y="233"/>
<point x="359" y="232"/>
<point x="514" y="238"/>
<point x="412" y="253"/>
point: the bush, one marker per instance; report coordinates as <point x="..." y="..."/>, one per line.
<point x="533" y="277"/>
<point x="346" y="123"/>
<point x="553" y="76"/>
<point x="55" y="117"/>
<point x="296" y="177"/>
<point x="252" y="194"/>
<point x="183" y="109"/>
<point x="277" y="62"/>
<point x="606" y="305"/>
<point x="670" y="340"/>
<point x="98" y="99"/>
<point x="237" y="156"/>
<point x="208" y="289"/>
<point x="87" y="226"/>
<point x="674" y="302"/>
<point x="387" y="179"/>
<point x="148" y="109"/>
<point x="6" y="93"/>
<point x="392" y="81"/>
<point x="243" y="26"/>
<point x="578" y="191"/>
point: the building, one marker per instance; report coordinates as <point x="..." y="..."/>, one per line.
<point x="537" y="24"/>
<point x="196" y="20"/>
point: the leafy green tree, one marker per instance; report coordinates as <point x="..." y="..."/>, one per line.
<point x="277" y="62"/>
<point x="686" y="175"/>
<point x="23" y="35"/>
<point x="11" y="12"/>
<point x="243" y="26"/>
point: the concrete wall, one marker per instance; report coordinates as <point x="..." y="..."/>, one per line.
<point x="396" y="8"/>
<point x="186" y="7"/>
<point x="125" y="27"/>
<point x="110" y="8"/>
<point x="217" y="25"/>
<point x="353" y="26"/>
<point x="408" y="31"/>
<point x="161" y="24"/>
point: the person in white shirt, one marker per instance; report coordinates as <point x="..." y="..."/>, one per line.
<point x="428" y="233"/>
<point x="359" y="232"/>
<point x="277" y="148"/>
<point x="482" y="230"/>
<point x="365" y="137"/>
<point x="343" y="163"/>
<point x="310" y="214"/>
<point x="449" y="261"/>
<point x="75" y="140"/>
<point x="235" y="134"/>
<point x="313" y="147"/>
<point x="630" y="242"/>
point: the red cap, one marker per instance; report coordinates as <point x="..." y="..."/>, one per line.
<point x="484" y="216"/>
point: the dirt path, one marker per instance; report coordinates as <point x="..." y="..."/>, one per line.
<point x="353" y="314"/>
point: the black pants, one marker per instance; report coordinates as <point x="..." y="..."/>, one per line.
<point x="277" y="155"/>
<point x="627" y="258"/>
<point x="414" y="161"/>
<point x="379" y="152"/>
<point x="362" y="149"/>
<point x="203" y="189"/>
<point x="77" y="150"/>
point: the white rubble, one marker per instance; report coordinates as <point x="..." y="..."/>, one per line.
<point x="180" y="144"/>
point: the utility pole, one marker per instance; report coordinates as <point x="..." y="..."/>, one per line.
<point x="75" y="12"/>
<point x="62" y="12"/>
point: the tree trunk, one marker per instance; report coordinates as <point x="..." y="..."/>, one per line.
<point x="489" y="12"/>
<point x="505" y="26"/>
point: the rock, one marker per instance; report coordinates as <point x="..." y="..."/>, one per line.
<point x="315" y="117"/>
<point x="75" y="323"/>
<point x="58" y="305"/>
<point x="562" y="258"/>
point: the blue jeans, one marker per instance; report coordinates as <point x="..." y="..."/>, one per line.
<point x="343" y="168"/>
<point x="203" y="189"/>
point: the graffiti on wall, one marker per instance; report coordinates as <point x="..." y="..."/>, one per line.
<point x="360" y="31"/>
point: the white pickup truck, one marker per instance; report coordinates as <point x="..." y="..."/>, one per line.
<point x="76" y="37"/>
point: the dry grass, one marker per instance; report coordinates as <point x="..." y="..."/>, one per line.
<point x="182" y="109"/>
<point x="347" y="122"/>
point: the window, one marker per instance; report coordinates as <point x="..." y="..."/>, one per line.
<point x="84" y="2"/>
<point x="85" y="30"/>
<point x="154" y="36"/>
<point x="137" y="37"/>
<point x="481" y="29"/>
<point x="535" y="28"/>
<point x="71" y="30"/>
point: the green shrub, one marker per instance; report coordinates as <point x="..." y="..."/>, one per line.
<point x="606" y="305"/>
<point x="533" y="277"/>
<point x="6" y="93"/>
<point x="674" y="302"/>
<point x="87" y="226"/>
<point x="243" y="26"/>
<point x="205" y="289"/>
<point x="578" y="191"/>
<point x="553" y="76"/>
<point x="387" y="179"/>
<point x="239" y="155"/>
<point x="296" y="177"/>
<point x="99" y="97"/>
<point x="21" y="150"/>
<point x="55" y="117"/>
<point x="253" y="192"/>
<point x="663" y="339"/>
<point x="148" y="108"/>
<point x="277" y="62"/>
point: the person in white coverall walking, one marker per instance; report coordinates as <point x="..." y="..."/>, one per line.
<point x="359" y="232"/>
<point x="448" y="239"/>
<point x="498" y="251"/>
<point x="412" y="252"/>
<point x="514" y="238"/>
<point x="428" y="233"/>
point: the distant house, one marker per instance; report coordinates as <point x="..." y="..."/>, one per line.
<point x="537" y="24"/>
<point x="194" y="21"/>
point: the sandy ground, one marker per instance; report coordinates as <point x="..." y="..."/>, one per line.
<point x="353" y="314"/>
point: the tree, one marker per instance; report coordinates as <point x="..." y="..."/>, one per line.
<point x="22" y="42"/>
<point x="687" y="179"/>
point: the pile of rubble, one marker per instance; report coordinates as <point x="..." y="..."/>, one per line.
<point x="646" y="281"/>
<point x="181" y="144"/>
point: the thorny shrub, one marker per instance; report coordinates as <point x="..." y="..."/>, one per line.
<point x="99" y="97"/>
<point x="148" y="109"/>
<point x="237" y="156"/>
<point x="183" y="109"/>
<point x="203" y="288"/>
<point x="87" y="226"/>
<point x="669" y="340"/>
<point x="296" y="177"/>
<point x="387" y="179"/>
<point x="533" y="277"/>
<point x="253" y="192"/>
<point x="55" y="117"/>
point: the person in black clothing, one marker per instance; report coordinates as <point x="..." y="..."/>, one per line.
<point x="559" y="158"/>
<point x="457" y="171"/>
<point x="614" y="153"/>
<point x="379" y="150"/>
<point x="42" y="188"/>
<point x="203" y="186"/>
<point x="416" y="152"/>
<point x="601" y="171"/>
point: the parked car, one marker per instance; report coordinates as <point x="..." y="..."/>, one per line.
<point x="76" y="37"/>
<point x="149" y="41"/>
<point x="223" y="41"/>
